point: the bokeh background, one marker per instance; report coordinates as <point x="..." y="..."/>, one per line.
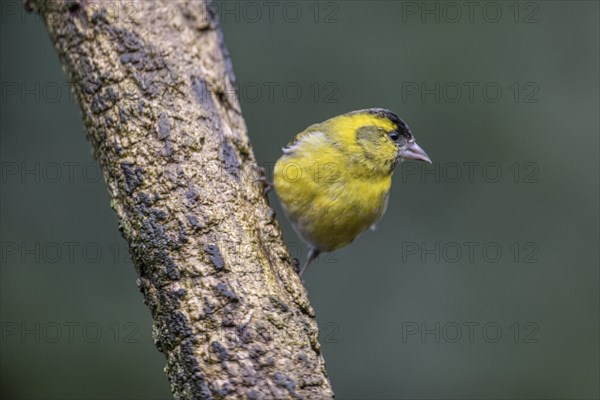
<point x="480" y="282"/>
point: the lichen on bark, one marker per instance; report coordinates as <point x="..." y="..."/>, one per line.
<point x="230" y="314"/>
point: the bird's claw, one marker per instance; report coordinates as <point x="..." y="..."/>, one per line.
<point x="267" y="185"/>
<point x="296" y="265"/>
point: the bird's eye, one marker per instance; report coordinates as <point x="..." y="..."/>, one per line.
<point x="394" y="135"/>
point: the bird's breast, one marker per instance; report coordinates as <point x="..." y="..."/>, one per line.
<point x="331" y="206"/>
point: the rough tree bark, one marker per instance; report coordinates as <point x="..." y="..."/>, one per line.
<point x="230" y="314"/>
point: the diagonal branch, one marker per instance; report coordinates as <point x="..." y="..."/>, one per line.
<point x="230" y="314"/>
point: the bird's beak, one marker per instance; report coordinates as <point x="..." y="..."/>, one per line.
<point x="412" y="151"/>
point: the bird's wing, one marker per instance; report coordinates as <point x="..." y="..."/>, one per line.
<point x="316" y="128"/>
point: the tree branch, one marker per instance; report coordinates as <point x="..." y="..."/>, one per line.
<point x="230" y="314"/>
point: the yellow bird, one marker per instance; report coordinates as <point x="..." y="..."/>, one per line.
<point x="333" y="179"/>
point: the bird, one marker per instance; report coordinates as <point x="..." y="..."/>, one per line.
<point x="333" y="179"/>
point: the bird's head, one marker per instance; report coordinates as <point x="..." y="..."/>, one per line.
<point x="376" y="137"/>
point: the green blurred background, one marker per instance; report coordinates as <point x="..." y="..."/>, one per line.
<point x="480" y="282"/>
